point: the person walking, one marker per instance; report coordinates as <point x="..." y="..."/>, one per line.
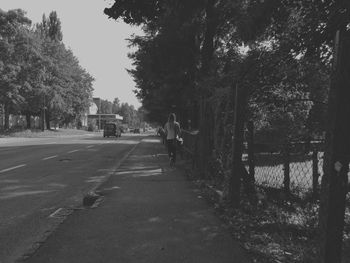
<point x="161" y="133"/>
<point x="172" y="131"/>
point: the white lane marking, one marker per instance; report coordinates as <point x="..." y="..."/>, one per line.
<point x="61" y="213"/>
<point x="50" y="143"/>
<point x="89" y="146"/>
<point x="56" y="212"/>
<point x="50" y="157"/>
<point x="12" y="168"/>
<point x="73" y="151"/>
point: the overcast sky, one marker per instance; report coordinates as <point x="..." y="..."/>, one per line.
<point x="98" y="42"/>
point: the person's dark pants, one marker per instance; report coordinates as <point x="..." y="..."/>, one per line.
<point x="172" y="148"/>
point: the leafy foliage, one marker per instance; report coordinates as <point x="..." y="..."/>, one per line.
<point x="38" y="71"/>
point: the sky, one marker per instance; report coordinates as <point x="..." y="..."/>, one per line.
<point x="97" y="41"/>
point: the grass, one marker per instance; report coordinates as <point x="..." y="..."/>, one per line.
<point x="37" y="133"/>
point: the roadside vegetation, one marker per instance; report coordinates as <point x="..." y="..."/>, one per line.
<point x="41" y="79"/>
<point x="39" y="76"/>
<point x="256" y="76"/>
<point x="132" y="117"/>
<point x="38" y="133"/>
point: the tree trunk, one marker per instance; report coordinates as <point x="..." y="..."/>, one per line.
<point x="42" y="120"/>
<point x="207" y="55"/>
<point x="227" y="137"/>
<point x="194" y="124"/>
<point x="202" y="142"/>
<point x="251" y="157"/>
<point x="237" y="147"/>
<point x="28" y="120"/>
<point x="7" y="116"/>
<point x="337" y="151"/>
<point x="47" y="119"/>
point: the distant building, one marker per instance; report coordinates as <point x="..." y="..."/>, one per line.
<point x="99" y="119"/>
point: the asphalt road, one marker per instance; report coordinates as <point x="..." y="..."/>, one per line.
<point x="42" y="179"/>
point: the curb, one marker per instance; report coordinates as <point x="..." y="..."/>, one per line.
<point x="115" y="167"/>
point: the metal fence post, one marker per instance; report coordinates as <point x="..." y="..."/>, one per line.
<point x="250" y="144"/>
<point x="286" y="168"/>
<point x="315" y="173"/>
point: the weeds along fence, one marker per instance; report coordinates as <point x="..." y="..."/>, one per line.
<point x="295" y="167"/>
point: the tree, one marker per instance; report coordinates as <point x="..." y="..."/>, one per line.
<point x="135" y="12"/>
<point x="167" y="57"/>
<point x="78" y="90"/>
<point x="285" y="71"/>
<point x="314" y="25"/>
<point x="51" y="27"/>
<point x="336" y="164"/>
<point x="174" y="62"/>
<point x="116" y="106"/>
<point x="38" y="73"/>
<point x="130" y="115"/>
<point x="106" y="107"/>
<point x="30" y="76"/>
<point x="11" y="24"/>
<point x="67" y="86"/>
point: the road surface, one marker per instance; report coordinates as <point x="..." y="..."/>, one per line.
<point x="43" y="179"/>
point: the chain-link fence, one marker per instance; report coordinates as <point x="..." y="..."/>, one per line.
<point x="294" y="166"/>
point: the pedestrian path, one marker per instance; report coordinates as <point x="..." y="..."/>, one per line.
<point x="150" y="214"/>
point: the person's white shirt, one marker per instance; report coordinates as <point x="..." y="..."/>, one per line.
<point x="170" y="132"/>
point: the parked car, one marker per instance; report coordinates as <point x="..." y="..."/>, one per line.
<point x="111" y="129"/>
<point x="136" y="130"/>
